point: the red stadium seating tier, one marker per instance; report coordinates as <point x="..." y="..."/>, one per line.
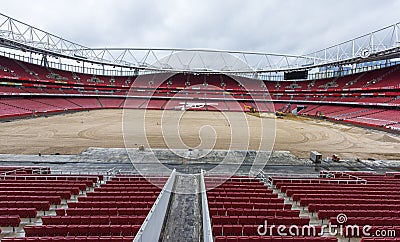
<point x="113" y="211"/>
<point x="117" y="208"/>
<point x="365" y="198"/>
<point x="368" y="98"/>
<point x="15" y="69"/>
<point x="240" y="205"/>
<point x="111" y="102"/>
<point x="24" y="191"/>
<point x="72" y="239"/>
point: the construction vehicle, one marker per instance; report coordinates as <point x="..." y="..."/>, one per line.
<point x="283" y="111"/>
<point x="315" y="156"/>
<point x="335" y="158"/>
<point x="320" y="115"/>
<point x="249" y="108"/>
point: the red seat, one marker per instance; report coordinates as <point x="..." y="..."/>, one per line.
<point x="232" y="229"/>
<point x="115" y="230"/>
<point x="83" y="229"/>
<point x="217" y="230"/>
<point x="220" y="239"/>
<point x="231" y="239"/>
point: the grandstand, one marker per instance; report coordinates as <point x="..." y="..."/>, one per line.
<point x="71" y="199"/>
<point x="364" y="99"/>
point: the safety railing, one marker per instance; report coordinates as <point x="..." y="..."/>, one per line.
<point x="205" y="212"/>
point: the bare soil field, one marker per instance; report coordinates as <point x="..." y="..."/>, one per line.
<point x="73" y="133"/>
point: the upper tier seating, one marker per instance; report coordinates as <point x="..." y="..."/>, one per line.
<point x="14" y="69"/>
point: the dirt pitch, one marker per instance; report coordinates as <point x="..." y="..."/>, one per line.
<point x="73" y="133"/>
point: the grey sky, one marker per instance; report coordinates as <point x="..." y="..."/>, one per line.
<point x="273" y="26"/>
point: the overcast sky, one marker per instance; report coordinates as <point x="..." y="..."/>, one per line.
<point x="272" y="26"/>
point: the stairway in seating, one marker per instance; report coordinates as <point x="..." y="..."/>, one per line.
<point x="351" y="83"/>
<point x="33" y="74"/>
<point x="185" y="210"/>
<point x="98" y="100"/>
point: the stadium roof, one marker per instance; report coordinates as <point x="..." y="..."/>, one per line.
<point x="378" y="45"/>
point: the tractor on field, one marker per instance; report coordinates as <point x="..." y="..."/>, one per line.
<point x="284" y="111"/>
<point x="320" y="115"/>
<point x="250" y="109"/>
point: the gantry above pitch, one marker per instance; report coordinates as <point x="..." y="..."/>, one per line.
<point x="381" y="44"/>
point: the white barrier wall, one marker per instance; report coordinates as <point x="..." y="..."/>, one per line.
<point x="205" y="213"/>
